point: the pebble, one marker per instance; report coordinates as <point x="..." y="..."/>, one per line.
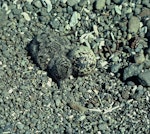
<point x="115" y="68"/>
<point x="134" y="24"/>
<point x="117" y="1"/>
<point x="144" y="78"/>
<point x="132" y="70"/>
<point x="118" y="9"/>
<point x="26" y="16"/>
<point x="148" y="24"/>
<point x="147" y="64"/>
<point x="48" y="4"/>
<point x="146" y="3"/>
<point x="100" y="4"/>
<point x="147" y="51"/>
<point x="37" y="4"/>
<point x="83" y="60"/>
<point x="139" y="57"/>
<point x="63" y="1"/>
<point x="72" y="2"/>
<point x="74" y="19"/>
<point x="20" y="125"/>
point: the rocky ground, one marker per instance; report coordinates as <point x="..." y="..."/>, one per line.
<point x="112" y="99"/>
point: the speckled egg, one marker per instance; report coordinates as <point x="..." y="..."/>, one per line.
<point x="83" y="60"/>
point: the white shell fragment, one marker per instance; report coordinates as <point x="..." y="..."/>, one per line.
<point x="48" y="4"/>
<point x="26" y="16"/>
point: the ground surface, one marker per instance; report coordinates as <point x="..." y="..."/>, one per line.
<point x="107" y="101"/>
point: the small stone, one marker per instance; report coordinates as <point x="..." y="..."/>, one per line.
<point x="74" y="19"/>
<point x="125" y="94"/>
<point x="147" y="51"/>
<point x="72" y="2"/>
<point x="132" y="70"/>
<point x="115" y="68"/>
<point x="146" y="2"/>
<point x="134" y="24"/>
<point x="63" y="1"/>
<point x="117" y="1"/>
<point x="77" y="107"/>
<point x="30" y="1"/>
<point x="100" y="4"/>
<point x="26" y="16"/>
<point x="48" y="4"/>
<point x="139" y="57"/>
<point x="37" y="4"/>
<point x="148" y="24"/>
<point x="144" y="78"/>
<point x="118" y="9"/>
<point x="83" y="60"/>
<point x="20" y="125"/>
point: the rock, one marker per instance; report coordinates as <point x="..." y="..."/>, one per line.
<point x="48" y="4"/>
<point x="144" y="78"/>
<point x="147" y="51"/>
<point x="37" y="4"/>
<point x="117" y="1"/>
<point x="132" y="70"/>
<point x="26" y="16"/>
<point x="147" y="64"/>
<point x="100" y="4"/>
<point x="115" y="68"/>
<point x="148" y="24"/>
<point x="139" y="57"/>
<point x="134" y="24"/>
<point x="146" y="3"/>
<point x="83" y="60"/>
<point x="72" y="2"/>
<point x="74" y="19"/>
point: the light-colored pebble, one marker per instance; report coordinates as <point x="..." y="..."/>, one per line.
<point x="100" y="4"/>
<point x="134" y="24"/>
<point x="74" y="19"/>
<point x="26" y="16"/>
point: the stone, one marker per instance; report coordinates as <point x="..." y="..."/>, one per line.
<point x="100" y="4"/>
<point x="72" y="2"/>
<point x="139" y="57"/>
<point x="37" y="4"/>
<point x="134" y="24"/>
<point x="74" y="19"/>
<point x="132" y="70"/>
<point x="144" y="78"/>
<point x="117" y="1"/>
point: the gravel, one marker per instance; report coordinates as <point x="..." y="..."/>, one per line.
<point x="109" y="100"/>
